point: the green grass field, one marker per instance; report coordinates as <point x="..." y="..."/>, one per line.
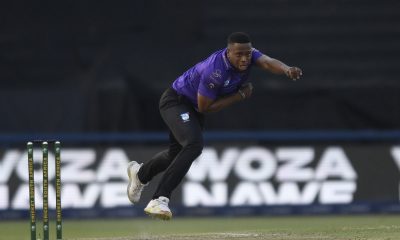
<point x="238" y="228"/>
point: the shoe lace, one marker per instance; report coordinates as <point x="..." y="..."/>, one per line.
<point x="162" y="202"/>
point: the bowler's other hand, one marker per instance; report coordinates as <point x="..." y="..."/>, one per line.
<point x="294" y="73"/>
<point x="247" y="90"/>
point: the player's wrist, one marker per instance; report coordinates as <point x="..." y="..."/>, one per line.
<point x="287" y="71"/>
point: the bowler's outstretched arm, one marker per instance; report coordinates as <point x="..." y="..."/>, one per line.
<point x="277" y="67"/>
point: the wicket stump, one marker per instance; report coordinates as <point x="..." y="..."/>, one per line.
<point x="45" y="168"/>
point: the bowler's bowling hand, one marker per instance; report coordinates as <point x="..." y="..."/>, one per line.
<point x="246" y="90"/>
<point x="294" y="73"/>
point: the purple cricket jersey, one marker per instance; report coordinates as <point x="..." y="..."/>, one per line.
<point x="214" y="77"/>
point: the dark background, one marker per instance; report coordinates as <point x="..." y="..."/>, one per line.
<point x="100" y="66"/>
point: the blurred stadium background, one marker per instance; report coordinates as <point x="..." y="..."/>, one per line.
<point x="90" y="74"/>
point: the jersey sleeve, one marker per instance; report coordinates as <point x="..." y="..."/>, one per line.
<point x="210" y="83"/>
<point x="256" y="54"/>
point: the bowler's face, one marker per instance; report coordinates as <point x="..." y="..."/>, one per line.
<point x="239" y="55"/>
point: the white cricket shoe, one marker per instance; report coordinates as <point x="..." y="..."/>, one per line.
<point x="135" y="187"/>
<point x="158" y="208"/>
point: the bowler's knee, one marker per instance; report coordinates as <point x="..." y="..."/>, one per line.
<point x="195" y="146"/>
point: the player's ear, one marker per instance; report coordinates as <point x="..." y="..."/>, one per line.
<point x="228" y="52"/>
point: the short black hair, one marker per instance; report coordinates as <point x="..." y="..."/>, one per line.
<point x="238" y="37"/>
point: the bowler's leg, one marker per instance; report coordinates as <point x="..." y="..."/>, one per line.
<point x="160" y="161"/>
<point x="184" y="124"/>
